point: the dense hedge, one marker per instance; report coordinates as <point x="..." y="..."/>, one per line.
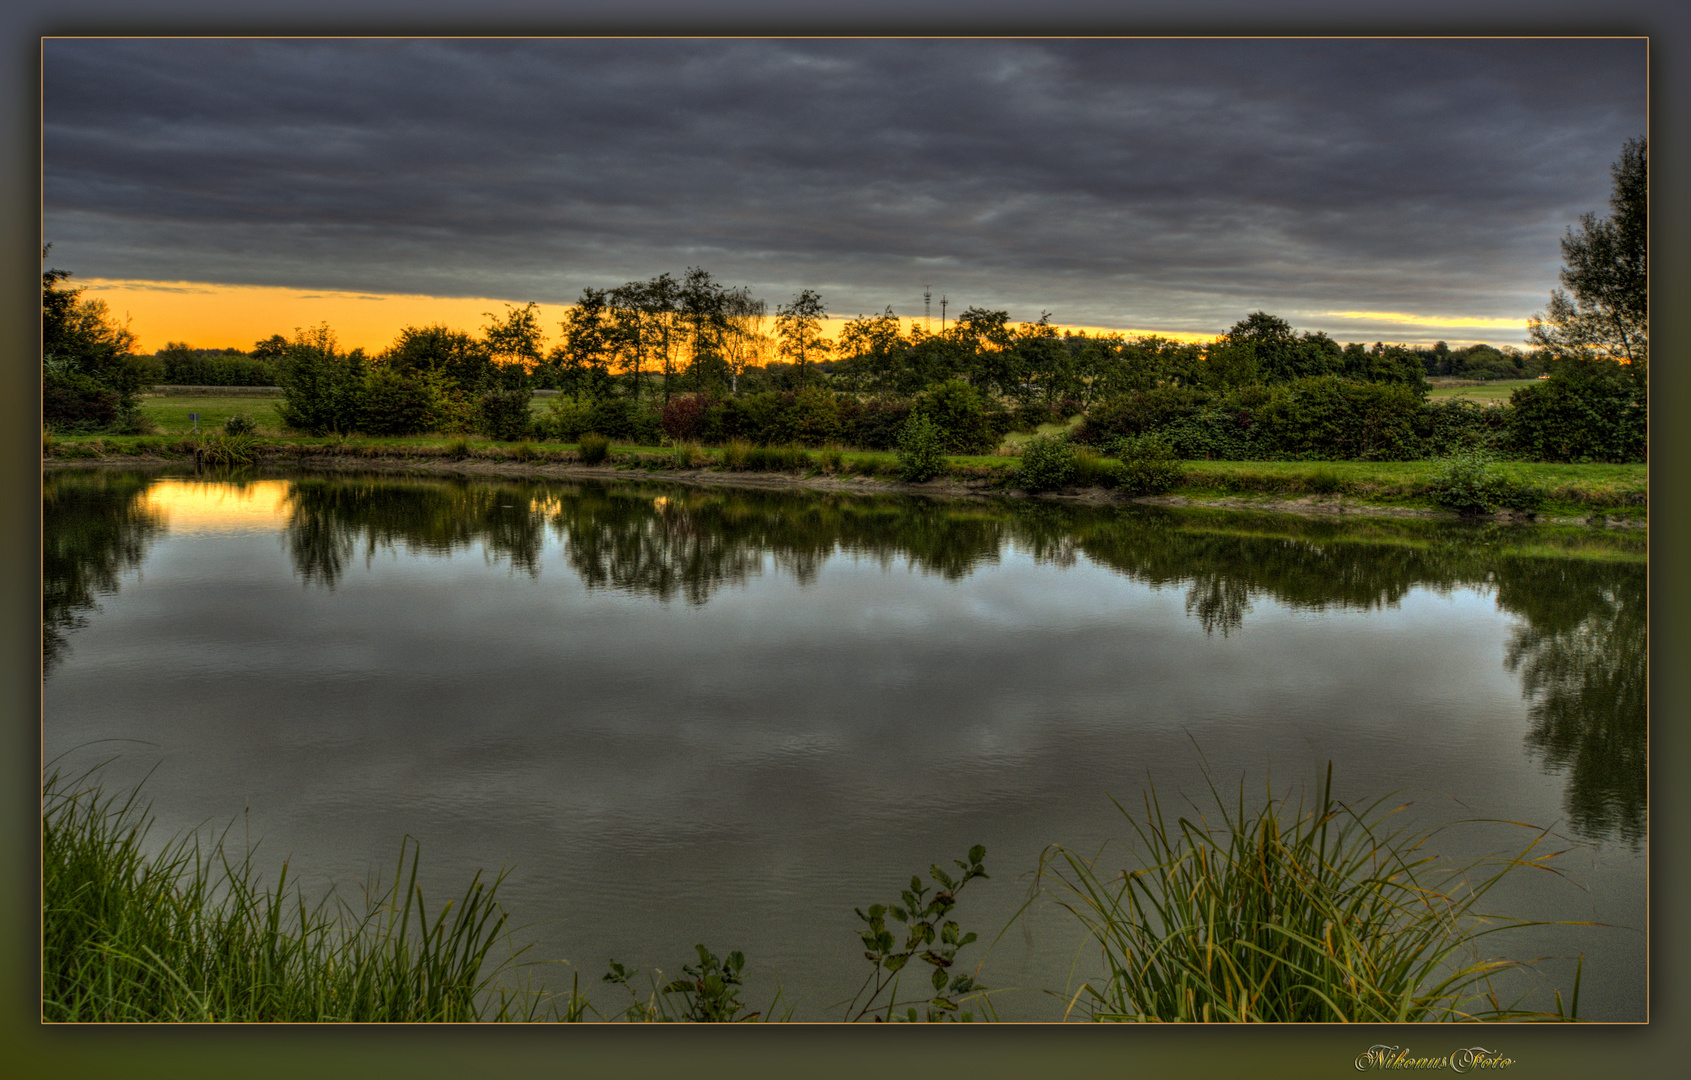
<point x="1583" y="412"/>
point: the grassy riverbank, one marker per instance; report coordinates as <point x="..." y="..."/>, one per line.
<point x="1282" y="914"/>
<point x="1617" y="493"/>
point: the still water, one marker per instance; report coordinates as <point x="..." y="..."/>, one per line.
<point x="682" y="715"/>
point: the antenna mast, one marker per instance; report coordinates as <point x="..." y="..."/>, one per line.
<point x="942" y="314"/>
<point x="927" y="308"/>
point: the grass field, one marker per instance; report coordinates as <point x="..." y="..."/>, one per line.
<point x="1486" y="393"/>
<point x="171" y="412"/>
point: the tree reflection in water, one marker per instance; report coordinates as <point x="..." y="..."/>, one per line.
<point x="94" y="526"/>
<point x="1580" y="647"/>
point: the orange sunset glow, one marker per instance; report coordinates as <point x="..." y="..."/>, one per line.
<point x="211" y="316"/>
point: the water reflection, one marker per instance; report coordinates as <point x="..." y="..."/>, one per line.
<point x="94" y="526"/>
<point x="1579" y="646"/>
<point x="1581" y="651"/>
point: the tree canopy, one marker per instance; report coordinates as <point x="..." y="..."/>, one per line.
<point x="1606" y="268"/>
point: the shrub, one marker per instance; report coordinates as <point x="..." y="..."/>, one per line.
<point x="831" y="459"/>
<point x="815" y="416"/>
<point x="74" y="402"/>
<point x="1148" y="465"/>
<point x="504" y="414"/>
<point x="240" y="424"/>
<point x="1048" y="462"/>
<point x="1138" y="412"/>
<point x="458" y="450"/>
<point x="1327" y="417"/>
<point x="392" y="403"/>
<point x="875" y="424"/>
<point x="683" y="418"/>
<point x="593" y="448"/>
<point x="1585" y="411"/>
<point x="1470" y="483"/>
<point x="959" y="413"/>
<point x="564" y="420"/>
<point x="921" y="454"/>
<point x="611" y="417"/>
<point x="928" y="934"/>
<point x="1453" y="424"/>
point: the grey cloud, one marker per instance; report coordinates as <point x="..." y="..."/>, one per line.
<point x="1168" y="183"/>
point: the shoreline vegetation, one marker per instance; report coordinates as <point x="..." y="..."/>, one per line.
<point x="1313" y="912"/>
<point x="1613" y="495"/>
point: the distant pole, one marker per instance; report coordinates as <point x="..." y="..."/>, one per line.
<point x="927" y="308"/>
<point x="942" y="314"/>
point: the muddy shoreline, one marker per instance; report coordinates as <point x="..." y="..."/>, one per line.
<point x="945" y="487"/>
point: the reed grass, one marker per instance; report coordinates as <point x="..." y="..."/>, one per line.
<point x="187" y="934"/>
<point x="1319" y="915"/>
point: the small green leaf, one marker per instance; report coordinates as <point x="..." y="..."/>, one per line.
<point x="977" y="853"/>
<point x="939" y="979"/>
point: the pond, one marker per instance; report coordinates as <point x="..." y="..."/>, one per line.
<point x="686" y="715"/>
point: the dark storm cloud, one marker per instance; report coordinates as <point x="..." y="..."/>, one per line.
<point x="1175" y="184"/>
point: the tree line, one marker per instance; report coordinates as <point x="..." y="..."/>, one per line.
<point x="691" y="358"/>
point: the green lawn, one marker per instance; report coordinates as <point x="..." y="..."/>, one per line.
<point x="170" y="413"/>
<point x="1490" y="393"/>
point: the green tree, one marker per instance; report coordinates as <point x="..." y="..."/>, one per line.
<point x="583" y="359"/>
<point x="1606" y="270"/>
<point x="745" y="341"/>
<point x="90" y="373"/>
<point x="799" y="325"/>
<point x="514" y="343"/>
<point x="453" y="355"/>
<point x="875" y="348"/>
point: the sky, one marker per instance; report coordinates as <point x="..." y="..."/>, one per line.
<point x="219" y="191"/>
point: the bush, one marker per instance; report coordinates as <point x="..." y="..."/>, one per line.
<point x="1451" y="425"/>
<point x="1586" y="411"/>
<point x="612" y="417"/>
<point x="1470" y="483"/>
<point x="1148" y="465"/>
<point x="1048" y="462"/>
<point x="504" y="414"/>
<point x="815" y="417"/>
<point x="240" y="424"/>
<point x="392" y="403"/>
<point x="683" y="418"/>
<point x="959" y="413"/>
<point x="875" y="424"/>
<point x="1326" y="417"/>
<point x="74" y="402"/>
<point x="565" y="420"/>
<point x="594" y="448"/>
<point x="1138" y="412"/>
<point x="921" y="454"/>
